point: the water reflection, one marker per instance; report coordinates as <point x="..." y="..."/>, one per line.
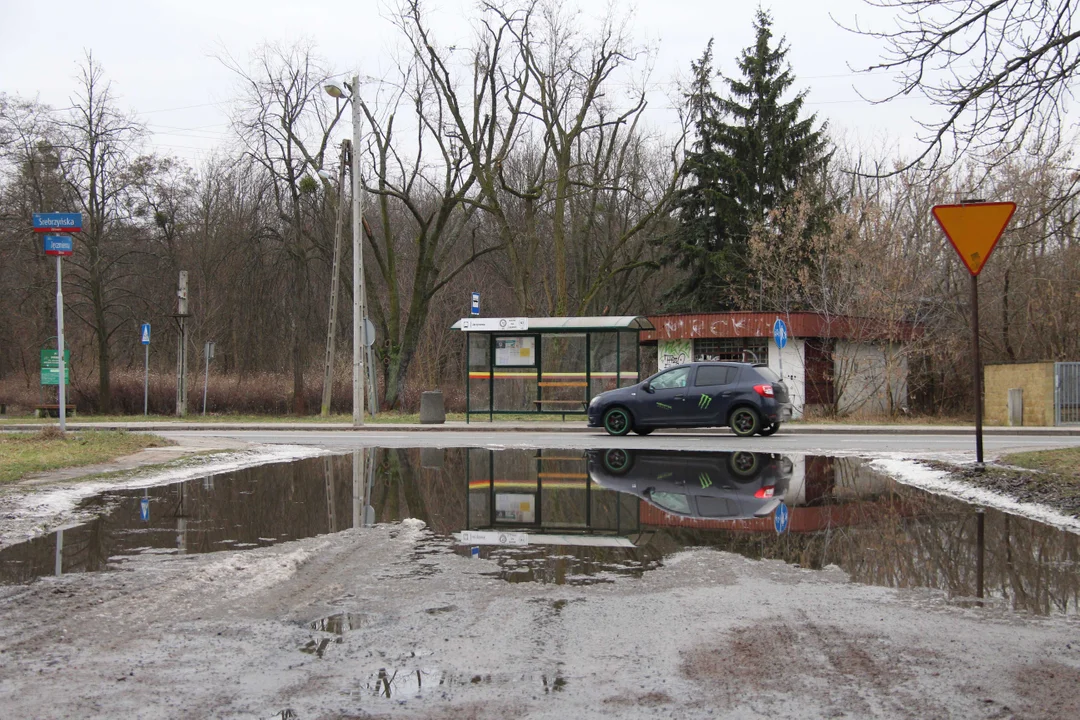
<point x="591" y="516"/>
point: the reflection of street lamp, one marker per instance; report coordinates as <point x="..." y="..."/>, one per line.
<point x="335" y="91"/>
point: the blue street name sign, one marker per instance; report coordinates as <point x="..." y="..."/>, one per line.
<point x="59" y="245"/>
<point x="145" y="334"/>
<point x="144" y="509"/>
<point x="779" y="331"/>
<point x="780" y="518"/>
<point x="58" y="222"/>
<point x="475" y="304"/>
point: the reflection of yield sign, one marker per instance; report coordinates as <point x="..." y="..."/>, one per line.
<point x="974" y="229"/>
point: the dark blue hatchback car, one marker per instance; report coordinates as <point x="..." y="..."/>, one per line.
<point x="750" y="398"/>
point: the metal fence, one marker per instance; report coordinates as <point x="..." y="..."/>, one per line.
<point x="1067" y="393"/>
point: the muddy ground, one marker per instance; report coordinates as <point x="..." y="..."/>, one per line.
<point x="390" y="622"/>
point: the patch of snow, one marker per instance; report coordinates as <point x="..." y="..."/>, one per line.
<point x="918" y="475"/>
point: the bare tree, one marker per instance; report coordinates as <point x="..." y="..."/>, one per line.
<point x="98" y="161"/>
<point x="1001" y="71"/>
<point x="285" y="122"/>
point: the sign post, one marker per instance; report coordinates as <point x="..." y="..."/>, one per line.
<point x="59" y="245"/>
<point x="974" y="228"/>
<point x="779" y="331"/>
<point x="145" y="337"/>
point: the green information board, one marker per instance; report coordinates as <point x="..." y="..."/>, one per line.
<point x="50" y="367"/>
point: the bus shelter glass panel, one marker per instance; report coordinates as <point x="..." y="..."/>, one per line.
<point x="629" y="358"/>
<point x="515" y="372"/>
<point x="480" y="489"/>
<point x="603" y="362"/>
<point x="516" y="490"/>
<point x="564" y="382"/>
<point x="564" y="487"/>
<point x="479" y="372"/>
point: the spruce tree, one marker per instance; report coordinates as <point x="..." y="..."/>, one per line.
<point x="750" y="155"/>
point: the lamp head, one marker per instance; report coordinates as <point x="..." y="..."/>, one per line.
<point x="334" y="90"/>
<point x="325" y="174"/>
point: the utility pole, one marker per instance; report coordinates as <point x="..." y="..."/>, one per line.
<point x="331" y="329"/>
<point x="358" y="260"/>
<point x="181" y="354"/>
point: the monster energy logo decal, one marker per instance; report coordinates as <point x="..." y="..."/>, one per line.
<point x="662" y="405"/>
<point x="704" y="401"/>
<point x="705" y="480"/>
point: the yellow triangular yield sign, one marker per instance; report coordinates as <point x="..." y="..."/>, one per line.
<point x="974" y="229"/>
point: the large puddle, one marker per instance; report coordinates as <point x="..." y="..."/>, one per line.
<point x="588" y="517"/>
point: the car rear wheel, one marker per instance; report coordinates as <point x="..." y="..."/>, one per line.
<point x="745" y="421"/>
<point x="617" y="421"/>
<point x="769" y="429"/>
<point x="743" y="464"/>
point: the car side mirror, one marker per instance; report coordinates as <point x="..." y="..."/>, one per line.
<point x="647" y="388"/>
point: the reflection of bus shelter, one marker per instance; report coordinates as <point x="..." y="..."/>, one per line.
<point x="547" y="365"/>
<point x="545" y="492"/>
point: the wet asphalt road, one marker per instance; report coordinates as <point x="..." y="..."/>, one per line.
<point x="912" y="444"/>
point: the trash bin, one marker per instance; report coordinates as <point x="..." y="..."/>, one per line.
<point x="432" y="411"/>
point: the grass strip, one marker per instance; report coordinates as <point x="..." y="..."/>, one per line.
<point x="24" y="453"/>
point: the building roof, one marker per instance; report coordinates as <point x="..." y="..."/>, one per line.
<point x="565" y="324"/>
<point x="760" y="324"/>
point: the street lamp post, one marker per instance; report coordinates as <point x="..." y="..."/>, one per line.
<point x="358" y="259"/>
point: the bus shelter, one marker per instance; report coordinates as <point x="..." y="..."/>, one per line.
<point x="551" y="365"/>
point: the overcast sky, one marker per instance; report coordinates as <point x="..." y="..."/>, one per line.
<point x="161" y="55"/>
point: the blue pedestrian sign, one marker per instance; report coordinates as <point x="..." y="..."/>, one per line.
<point x="780" y="518"/>
<point x="145" y="334"/>
<point x="779" y="331"/>
<point x="58" y="222"/>
<point x="144" y="509"/>
<point x="475" y="304"/>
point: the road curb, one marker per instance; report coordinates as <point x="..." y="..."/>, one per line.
<point x="789" y="429"/>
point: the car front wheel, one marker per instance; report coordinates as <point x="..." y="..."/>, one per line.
<point x="745" y="422"/>
<point x="617" y="421"/>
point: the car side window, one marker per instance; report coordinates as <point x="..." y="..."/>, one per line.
<point x="671" y="379"/>
<point x="714" y="375"/>
<point x="675" y="502"/>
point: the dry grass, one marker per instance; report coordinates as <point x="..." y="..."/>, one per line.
<point x="1064" y="462"/>
<point x="24" y="453"/>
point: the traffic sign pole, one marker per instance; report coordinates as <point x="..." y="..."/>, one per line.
<point x="62" y="383"/>
<point x="978" y="368"/>
<point x="973" y="228"/>
<point x="144" y="337"/>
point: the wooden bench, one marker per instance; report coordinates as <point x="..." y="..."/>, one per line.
<point x="573" y="405"/>
<point x="53" y="411"/>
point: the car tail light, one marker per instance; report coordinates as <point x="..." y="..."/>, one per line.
<point x="765" y="492"/>
<point x="764" y="390"/>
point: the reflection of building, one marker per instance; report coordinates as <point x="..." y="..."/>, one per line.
<point x="847" y="363"/>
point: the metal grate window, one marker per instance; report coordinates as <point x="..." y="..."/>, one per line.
<point x="731" y="349"/>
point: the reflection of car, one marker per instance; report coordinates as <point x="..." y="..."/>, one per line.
<point x="748" y="398"/>
<point x="716" y="485"/>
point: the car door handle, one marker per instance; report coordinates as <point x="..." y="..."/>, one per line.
<point x="680" y="397"/>
<point x="726" y="394"/>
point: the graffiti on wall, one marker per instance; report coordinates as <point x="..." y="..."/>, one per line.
<point x="673" y="352"/>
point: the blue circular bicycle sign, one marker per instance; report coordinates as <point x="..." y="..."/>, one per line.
<point x="779" y="331"/>
<point x="780" y="518"/>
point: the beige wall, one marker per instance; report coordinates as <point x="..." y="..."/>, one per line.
<point x="1037" y="381"/>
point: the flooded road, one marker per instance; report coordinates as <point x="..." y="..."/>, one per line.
<point x="589" y="517"/>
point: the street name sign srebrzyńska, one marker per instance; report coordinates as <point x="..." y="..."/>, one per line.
<point x="974" y="229"/>
<point x="58" y="222"/>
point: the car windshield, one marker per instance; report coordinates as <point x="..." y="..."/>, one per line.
<point x="671" y="379"/>
<point x="767" y="373"/>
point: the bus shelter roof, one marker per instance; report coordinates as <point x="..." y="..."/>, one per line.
<point x="558" y="324"/>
